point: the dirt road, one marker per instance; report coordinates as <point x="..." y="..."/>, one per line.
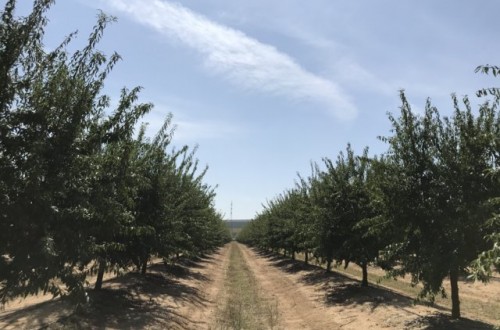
<point x="298" y="308"/>
<point x="311" y="299"/>
<point x="284" y="294"/>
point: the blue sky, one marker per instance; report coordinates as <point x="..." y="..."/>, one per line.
<point x="266" y="87"/>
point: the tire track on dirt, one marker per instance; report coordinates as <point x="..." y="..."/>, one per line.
<point x="297" y="309"/>
<point x="212" y="275"/>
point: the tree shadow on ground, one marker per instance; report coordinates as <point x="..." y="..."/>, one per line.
<point x="36" y="316"/>
<point x="130" y="301"/>
<point x="286" y="264"/>
<point x="154" y="285"/>
<point x="134" y="301"/>
<point x="441" y="321"/>
<point x="176" y="270"/>
<point x="120" y="309"/>
<point x="338" y="289"/>
<point x="194" y="262"/>
<point x="265" y="254"/>
<point x="292" y="266"/>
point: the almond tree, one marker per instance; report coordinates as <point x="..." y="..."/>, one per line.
<point x="483" y="266"/>
<point x="74" y="193"/>
<point x="49" y="104"/>
<point x="326" y="240"/>
<point x="352" y="205"/>
<point x="434" y="191"/>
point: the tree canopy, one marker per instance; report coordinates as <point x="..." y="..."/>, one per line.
<point x="82" y="189"/>
<point x="427" y="207"/>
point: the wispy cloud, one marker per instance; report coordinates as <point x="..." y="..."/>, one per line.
<point x="352" y="73"/>
<point x="189" y="130"/>
<point x="237" y="57"/>
<point x="194" y="131"/>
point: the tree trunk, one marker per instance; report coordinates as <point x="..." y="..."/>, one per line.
<point x="455" y="301"/>
<point x="144" y="266"/>
<point x="306" y="260"/>
<point x="100" y="274"/>
<point x="328" y="266"/>
<point x="364" y="267"/>
<point x="293" y="255"/>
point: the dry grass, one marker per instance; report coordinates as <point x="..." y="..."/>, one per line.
<point x="244" y="305"/>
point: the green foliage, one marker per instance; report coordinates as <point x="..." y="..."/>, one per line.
<point x="80" y="191"/>
<point x="435" y="189"/>
<point x="323" y="215"/>
<point x="481" y="268"/>
<point x="492" y="91"/>
<point x="428" y="207"/>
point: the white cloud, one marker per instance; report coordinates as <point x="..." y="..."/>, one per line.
<point x="239" y="58"/>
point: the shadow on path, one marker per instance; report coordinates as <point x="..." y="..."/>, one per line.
<point x="130" y="301"/>
<point x="338" y="289"/>
<point x="35" y="316"/>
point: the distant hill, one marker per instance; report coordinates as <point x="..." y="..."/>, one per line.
<point x="236" y="225"/>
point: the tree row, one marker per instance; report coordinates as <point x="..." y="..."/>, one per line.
<point x="82" y="189"/>
<point x="429" y="206"/>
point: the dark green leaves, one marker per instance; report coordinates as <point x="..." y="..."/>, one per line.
<point x="79" y="191"/>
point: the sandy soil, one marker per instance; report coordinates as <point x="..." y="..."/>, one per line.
<point x="298" y="307"/>
<point x="310" y="299"/>
<point x="343" y="302"/>
<point x="181" y="296"/>
<point x="188" y="294"/>
<point x="477" y="300"/>
<point x="486" y="292"/>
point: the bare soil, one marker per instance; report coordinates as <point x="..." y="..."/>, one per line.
<point x="188" y="294"/>
<point x="180" y="296"/>
<point x="341" y="300"/>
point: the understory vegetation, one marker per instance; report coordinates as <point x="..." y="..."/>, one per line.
<point x="244" y="305"/>
<point x="428" y="207"/>
<point x="83" y="190"/>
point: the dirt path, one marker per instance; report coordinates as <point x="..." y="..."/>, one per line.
<point x="298" y="309"/>
<point x="203" y="316"/>
<point x="478" y="301"/>
<point x="205" y="279"/>
<point x="191" y="293"/>
<point x="181" y="296"/>
<point x="310" y="299"/>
